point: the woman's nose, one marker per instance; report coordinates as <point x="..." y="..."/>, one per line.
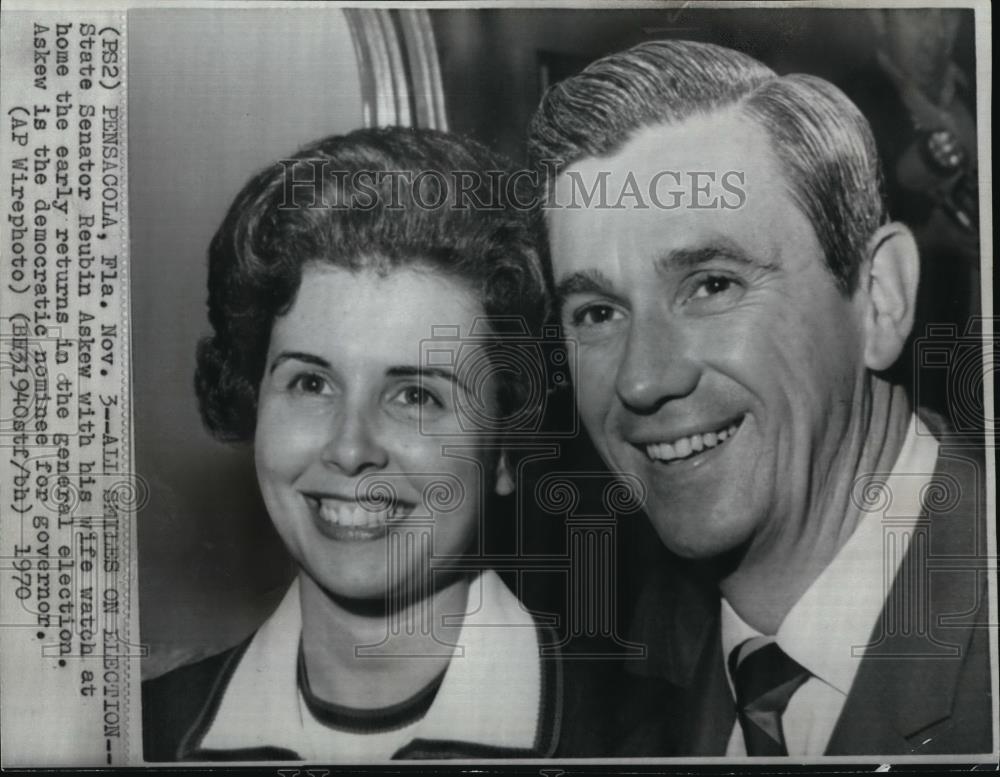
<point x="352" y="447"/>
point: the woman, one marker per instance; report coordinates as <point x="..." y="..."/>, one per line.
<point x="378" y="446"/>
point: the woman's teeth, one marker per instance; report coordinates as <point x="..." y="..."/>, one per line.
<point x="355" y="514"/>
<point x="686" y="447"/>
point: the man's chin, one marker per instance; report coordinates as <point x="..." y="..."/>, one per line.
<point x="700" y="538"/>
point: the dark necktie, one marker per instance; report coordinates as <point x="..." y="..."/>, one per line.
<point x="765" y="678"/>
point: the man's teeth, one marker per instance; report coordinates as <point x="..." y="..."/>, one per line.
<point x="688" y="446"/>
<point x="355" y="515"/>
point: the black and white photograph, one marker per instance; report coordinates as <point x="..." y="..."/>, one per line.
<point x="526" y="385"/>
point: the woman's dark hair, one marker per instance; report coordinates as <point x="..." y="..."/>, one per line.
<point x="374" y="199"/>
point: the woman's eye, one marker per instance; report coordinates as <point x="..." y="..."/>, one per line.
<point x="417" y="396"/>
<point x="309" y="383"/>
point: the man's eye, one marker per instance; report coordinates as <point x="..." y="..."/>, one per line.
<point x="593" y="315"/>
<point x="309" y="383"/>
<point x="714" y="284"/>
<point x="417" y="396"/>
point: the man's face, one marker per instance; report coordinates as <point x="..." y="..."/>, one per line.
<point x="717" y="360"/>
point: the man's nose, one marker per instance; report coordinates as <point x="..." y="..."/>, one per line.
<point x="656" y="366"/>
<point x="353" y="447"/>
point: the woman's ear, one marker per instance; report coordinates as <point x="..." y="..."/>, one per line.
<point x="505" y="481"/>
<point x="891" y="279"/>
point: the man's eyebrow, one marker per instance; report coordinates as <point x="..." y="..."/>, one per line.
<point x="427" y="372"/>
<point x="692" y="258"/>
<point x="585" y="282"/>
<point x="299" y="356"/>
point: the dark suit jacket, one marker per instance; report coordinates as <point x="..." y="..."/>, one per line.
<point x="589" y="709"/>
<point x="923" y="687"/>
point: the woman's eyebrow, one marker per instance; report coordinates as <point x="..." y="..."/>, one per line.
<point x="299" y="356"/>
<point x="427" y="372"/>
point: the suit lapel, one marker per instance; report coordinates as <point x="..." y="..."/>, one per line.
<point x="677" y="619"/>
<point x="903" y="694"/>
<point x="711" y="710"/>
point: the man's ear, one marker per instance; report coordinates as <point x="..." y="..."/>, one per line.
<point x="505" y="481"/>
<point x="893" y="273"/>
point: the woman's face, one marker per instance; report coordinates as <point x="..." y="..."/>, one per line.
<point x="350" y="411"/>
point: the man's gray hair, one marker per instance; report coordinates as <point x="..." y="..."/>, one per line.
<point x="820" y="138"/>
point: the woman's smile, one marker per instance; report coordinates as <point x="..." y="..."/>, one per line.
<point x="352" y="429"/>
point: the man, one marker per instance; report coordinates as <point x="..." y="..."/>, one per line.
<point x="722" y="257"/>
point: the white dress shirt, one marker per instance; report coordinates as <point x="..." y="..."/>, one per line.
<point x="490" y="694"/>
<point x="827" y="629"/>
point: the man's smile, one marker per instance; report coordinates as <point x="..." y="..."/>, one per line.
<point x="689" y="444"/>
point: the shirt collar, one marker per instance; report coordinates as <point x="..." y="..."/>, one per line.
<point x="492" y="690"/>
<point x="259" y="707"/>
<point x="491" y="693"/>
<point x="827" y="628"/>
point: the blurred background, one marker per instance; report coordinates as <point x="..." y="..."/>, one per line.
<point x="217" y="94"/>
